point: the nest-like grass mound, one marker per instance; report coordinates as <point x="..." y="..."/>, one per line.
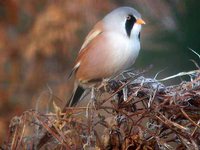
<point x="140" y="113"/>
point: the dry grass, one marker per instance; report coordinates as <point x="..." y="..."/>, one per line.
<point x="153" y="116"/>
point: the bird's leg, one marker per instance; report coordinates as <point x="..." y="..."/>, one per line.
<point x="90" y="115"/>
<point x="125" y="90"/>
<point x="131" y="74"/>
<point x="103" y="84"/>
<point x="94" y="97"/>
<point x="91" y="102"/>
<point x="125" y="93"/>
<point x="92" y="94"/>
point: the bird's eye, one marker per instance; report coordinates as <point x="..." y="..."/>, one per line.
<point x="131" y="18"/>
<point x="128" y="17"/>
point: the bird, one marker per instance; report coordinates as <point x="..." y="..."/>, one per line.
<point x="110" y="47"/>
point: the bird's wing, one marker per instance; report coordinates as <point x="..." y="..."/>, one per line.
<point x="97" y="30"/>
<point x="74" y="69"/>
<point x="94" y="33"/>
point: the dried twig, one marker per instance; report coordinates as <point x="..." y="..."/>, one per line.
<point x="171" y="121"/>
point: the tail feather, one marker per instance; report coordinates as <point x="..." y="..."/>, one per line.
<point x="76" y="96"/>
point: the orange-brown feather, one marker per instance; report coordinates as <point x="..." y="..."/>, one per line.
<point x="92" y="61"/>
<point x="92" y="57"/>
<point x="98" y="29"/>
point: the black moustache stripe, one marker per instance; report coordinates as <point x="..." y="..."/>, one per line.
<point x="129" y="24"/>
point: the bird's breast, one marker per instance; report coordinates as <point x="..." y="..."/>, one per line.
<point x="111" y="54"/>
<point x="123" y="51"/>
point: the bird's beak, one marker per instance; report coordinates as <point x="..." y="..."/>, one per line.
<point x="140" y="21"/>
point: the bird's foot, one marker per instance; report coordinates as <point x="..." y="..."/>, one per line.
<point x="103" y="85"/>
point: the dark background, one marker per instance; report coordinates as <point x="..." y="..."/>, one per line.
<point x="39" y="41"/>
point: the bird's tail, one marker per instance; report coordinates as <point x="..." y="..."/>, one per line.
<point x="76" y="95"/>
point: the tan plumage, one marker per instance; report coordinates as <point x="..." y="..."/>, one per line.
<point x="110" y="47"/>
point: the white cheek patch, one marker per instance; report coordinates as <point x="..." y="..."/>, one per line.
<point x="136" y="29"/>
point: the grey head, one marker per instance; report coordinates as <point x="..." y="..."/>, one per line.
<point x="124" y="21"/>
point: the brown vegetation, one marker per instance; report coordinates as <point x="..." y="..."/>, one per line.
<point x="153" y="116"/>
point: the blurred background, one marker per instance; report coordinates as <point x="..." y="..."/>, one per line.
<point x="39" y="41"/>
